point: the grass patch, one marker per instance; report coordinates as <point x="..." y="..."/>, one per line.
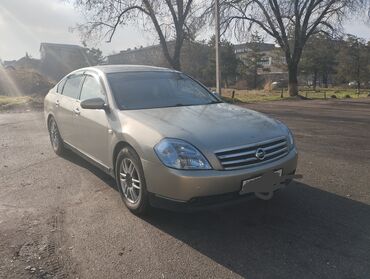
<point x="338" y="93"/>
<point x="252" y="96"/>
<point x="10" y="102"/>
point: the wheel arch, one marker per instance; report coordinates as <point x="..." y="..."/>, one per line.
<point x="117" y="148"/>
<point x="50" y="115"/>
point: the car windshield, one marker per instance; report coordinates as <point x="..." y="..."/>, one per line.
<point x="145" y="90"/>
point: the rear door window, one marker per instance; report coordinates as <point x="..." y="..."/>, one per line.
<point x="72" y="86"/>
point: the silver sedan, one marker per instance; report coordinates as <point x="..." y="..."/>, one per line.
<point x="166" y="139"/>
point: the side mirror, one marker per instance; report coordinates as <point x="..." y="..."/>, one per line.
<point x="94" y="103"/>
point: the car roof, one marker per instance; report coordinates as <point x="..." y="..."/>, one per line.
<point x="129" y="68"/>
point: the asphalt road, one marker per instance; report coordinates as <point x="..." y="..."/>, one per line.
<point x="63" y="218"/>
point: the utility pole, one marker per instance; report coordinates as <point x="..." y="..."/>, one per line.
<point x="217" y="35"/>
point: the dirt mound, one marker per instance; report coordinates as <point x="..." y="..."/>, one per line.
<point x="17" y="82"/>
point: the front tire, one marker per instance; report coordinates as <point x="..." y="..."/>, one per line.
<point x="55" y="138"/>
<point x="131" y="181"/>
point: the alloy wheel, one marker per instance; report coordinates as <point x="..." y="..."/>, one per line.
<point x="130" y="181"/>
<point x="54" y="134"/>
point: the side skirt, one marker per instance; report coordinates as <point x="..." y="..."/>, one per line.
<point x="91" y="160"/>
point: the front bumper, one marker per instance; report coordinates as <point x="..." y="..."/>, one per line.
<point x="200" y="203"/>
<point x="183" y="186"/>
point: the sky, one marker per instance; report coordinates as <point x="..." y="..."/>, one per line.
<point x="24" y="24"/>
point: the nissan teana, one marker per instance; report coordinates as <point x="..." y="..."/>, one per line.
<point x="166" y="139"/>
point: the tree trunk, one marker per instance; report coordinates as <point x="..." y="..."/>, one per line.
<point x="176" y="64"/>
<point x="255" y="77"/>
<point x="226" y="82"/>
<point x="325" y="79"/>
<point x="358" y="87"/>
<point x="314" y="83"/>
<point x="176" y="60"/>
<point x="293" y="79"/>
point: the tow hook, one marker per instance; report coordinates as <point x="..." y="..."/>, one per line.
<point x="264" y="196"/>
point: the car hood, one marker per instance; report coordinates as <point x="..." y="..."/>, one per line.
<point x="210" y="127"/>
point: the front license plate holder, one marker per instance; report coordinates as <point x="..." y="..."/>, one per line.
<point x="267" y="182"/>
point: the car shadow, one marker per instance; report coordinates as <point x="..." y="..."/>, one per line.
<point x="78" y="160"/>
<point x="303" y="232"/>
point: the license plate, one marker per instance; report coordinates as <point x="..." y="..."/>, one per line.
<point x="279" y="172"/>
<point x="244" y="182"/>
<point x="260" y="182"/>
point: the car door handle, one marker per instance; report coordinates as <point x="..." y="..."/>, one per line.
<point x="77" y="111"/>
<point x="57" y="103"/>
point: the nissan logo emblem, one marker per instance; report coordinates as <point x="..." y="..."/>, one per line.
<point x="260" y="154"/>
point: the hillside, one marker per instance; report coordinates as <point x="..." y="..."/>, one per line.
<point x="23" y="82"/>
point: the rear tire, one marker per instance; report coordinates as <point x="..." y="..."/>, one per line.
<point x="130" y="181"/>
<point x="55" y="138"/>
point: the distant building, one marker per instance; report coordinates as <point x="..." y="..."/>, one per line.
<point x="151" y="55"/>
<point x="9" y="63"/>
<point x="26" y="62"/>
<point x="57" y="60"/>
<point x="272" y="64"/>
<point x="193" y="59"/>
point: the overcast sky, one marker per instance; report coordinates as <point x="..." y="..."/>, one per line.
<point x="24" y="24"/>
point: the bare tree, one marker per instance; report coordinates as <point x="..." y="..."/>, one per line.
<point x="173" y="21"/>
<point x="290" y="22"/>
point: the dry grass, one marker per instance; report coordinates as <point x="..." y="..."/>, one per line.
<point x="20" y="102"/>
<point x="250" y="96"/>
<point x="7" y="100"/>
<point x="337" y="92"/>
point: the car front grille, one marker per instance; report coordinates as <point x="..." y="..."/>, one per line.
<point x="245" y="156"/>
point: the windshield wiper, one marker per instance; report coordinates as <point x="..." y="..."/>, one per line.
<point x="187" y="105"/>
<point x="214" y="102"/>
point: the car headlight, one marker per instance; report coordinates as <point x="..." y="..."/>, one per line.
<point x="179" y="154"/>
<point x="290" y="139"/>
<point x="290" y="134"/>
